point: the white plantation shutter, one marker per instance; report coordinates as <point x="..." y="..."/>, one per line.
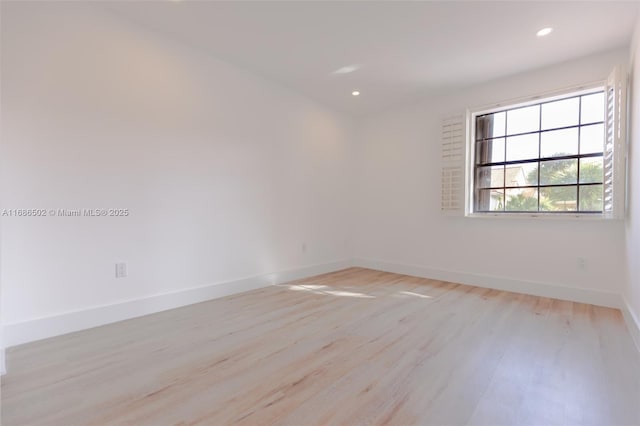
<point x="453" y="163"/>
<point x="615" y="145"/>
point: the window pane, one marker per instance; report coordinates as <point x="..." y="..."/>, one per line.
<point x="490" y="125"/>
<point x="557" y="143"/>
<point x="524" y="174"/>
<point x="591" y="198"/>
<point x="523" y="120"/>
<point x="591" y="170"/>
<point x="558" y="172"/>
<point x="591" y="139"/>
<point x="490" y="177"/>
<point x="523" y="147"/>
<point x="490" y="151"/>
<point x="522" y="200"/>
<point x="558" y="198"/>
<point x="560" y="113"/>
<point x="489" y="200"/>
<point x="592" y="108"/>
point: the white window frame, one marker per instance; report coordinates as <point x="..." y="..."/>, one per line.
<point x="606" y="85"/>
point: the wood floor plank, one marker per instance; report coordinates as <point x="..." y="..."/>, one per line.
<point x="352" y="347"/>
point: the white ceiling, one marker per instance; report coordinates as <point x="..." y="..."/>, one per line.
<point x="406" y="50"/>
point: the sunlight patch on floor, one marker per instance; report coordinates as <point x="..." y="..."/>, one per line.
<point x="411" y="293"/>
<point x="322" y="289"/>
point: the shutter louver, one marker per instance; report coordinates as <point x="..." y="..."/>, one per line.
<point x="615" y="145"/>
<point x="453" y="160"/>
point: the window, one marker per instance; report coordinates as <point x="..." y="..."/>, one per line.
<point x="545" y="157"/>
<point x="556" y="156"/>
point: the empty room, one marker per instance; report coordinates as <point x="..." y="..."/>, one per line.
<point x="319" y="213"/>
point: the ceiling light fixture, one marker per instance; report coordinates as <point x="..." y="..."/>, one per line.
<point x="545" y="31"/>
<point x="355" y="93"/>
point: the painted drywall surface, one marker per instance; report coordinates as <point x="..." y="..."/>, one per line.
<point x="225" y="175"/>
<point x="398" y="190"/>
<point x="632" y="289"/>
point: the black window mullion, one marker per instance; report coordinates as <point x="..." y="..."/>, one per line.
<point x="543" y="160"/>
<point x="579" y="161"/>
<point x="555" y="185"/>
<point x="595" y="123"/>
<point x="539" y="152"/>
<point x="504" y="167"/>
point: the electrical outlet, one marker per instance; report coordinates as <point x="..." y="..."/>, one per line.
<point x="582" y="263"/>
<point x="121" y="270"/>
<point x="304" y="247"/>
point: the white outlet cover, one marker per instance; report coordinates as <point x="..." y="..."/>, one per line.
<point x="121" y="270"/>
<point x="582" y="263"/>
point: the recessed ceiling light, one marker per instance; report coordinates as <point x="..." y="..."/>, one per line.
<point x="347" y="69"/>
<point x="545" y="31"/>
<point x="355" y="93"/>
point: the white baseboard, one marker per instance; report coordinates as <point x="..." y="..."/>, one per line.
<point x="593" y="297"/>
<point x="633" y="322"/>
<point x="68" y="322"/>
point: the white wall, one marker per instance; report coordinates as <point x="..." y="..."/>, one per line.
<point x="398" y="212"/>
<point x="225" y="174"/>
<point x="632" y="288"/>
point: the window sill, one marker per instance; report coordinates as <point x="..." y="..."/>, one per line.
<point x="545" y="216"/>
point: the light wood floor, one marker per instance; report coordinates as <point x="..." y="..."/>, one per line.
<point x="352" y="347"/>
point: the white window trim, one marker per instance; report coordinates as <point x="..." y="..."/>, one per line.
<point x="470" y="154"/>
